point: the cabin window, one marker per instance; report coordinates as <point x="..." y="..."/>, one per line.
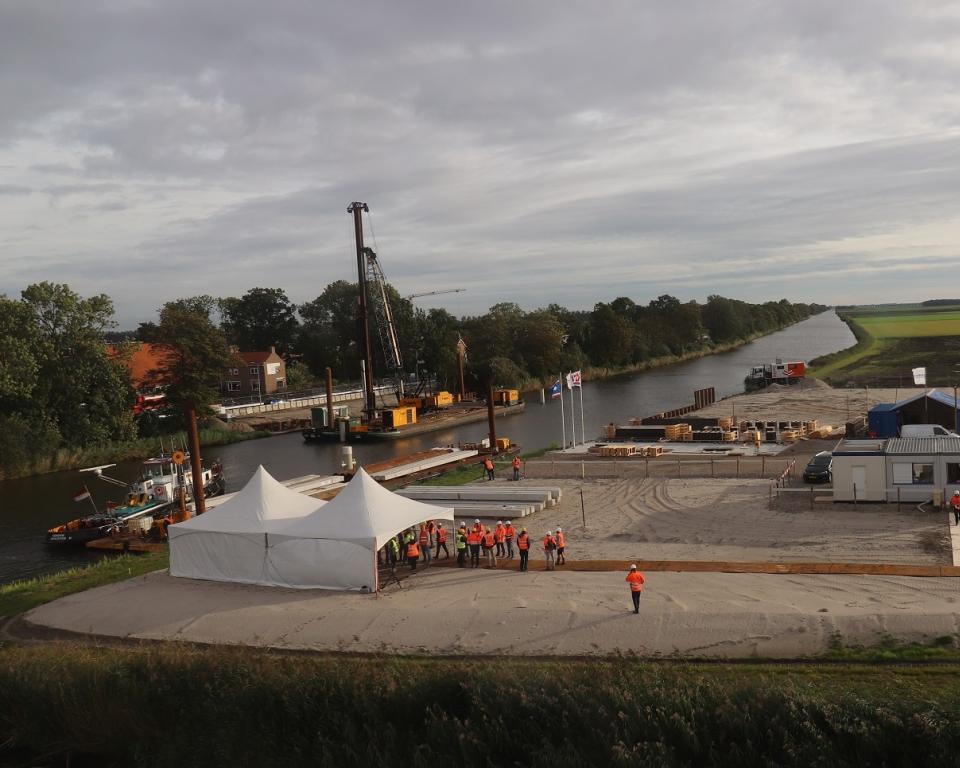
<point x="953" y="473"/>
<point x="912" y="473"/>
<point x="233" y="386"/>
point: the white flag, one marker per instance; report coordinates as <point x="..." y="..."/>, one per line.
<point x="920" y="377"/>
<point x="573" y="380"/>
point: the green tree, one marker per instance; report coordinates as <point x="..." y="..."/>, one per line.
<point x="260" y="319"/>
<point x="328" y="332"/>
<point x="87" y="394"/>
<point x="195" y="352"/>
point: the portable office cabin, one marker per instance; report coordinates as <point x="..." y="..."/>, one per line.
<point x="916" y="467"/>
<point x="859" y="471"/>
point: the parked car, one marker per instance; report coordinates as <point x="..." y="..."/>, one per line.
<point x="925" y="430"/>
<point x="819" y="469"/>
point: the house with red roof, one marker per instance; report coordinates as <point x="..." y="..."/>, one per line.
<point x="256" y="374"/>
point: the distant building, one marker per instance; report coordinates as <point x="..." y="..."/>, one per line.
<point x="255" y="374"/>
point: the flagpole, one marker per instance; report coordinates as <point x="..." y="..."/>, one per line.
<point x="583" y="437"/>
<point x="563" y="419"/>
<point x="573" y="424"/>
<point x="90" y="496"/>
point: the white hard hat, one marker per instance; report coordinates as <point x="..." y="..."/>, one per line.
<point x="559" y="529"/>
<point x="549" y="533"/>
<point x="499" y="522"/>
<point x="477" y="520"/>
<point x="509" y="523"/>
<point x="633" y="566"/>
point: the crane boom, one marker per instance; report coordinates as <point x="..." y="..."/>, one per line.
<point x="434" y="293"/>
<point x="383" y="314"/>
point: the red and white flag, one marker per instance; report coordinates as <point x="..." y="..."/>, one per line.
<point x="574" y="380"/>
<point x="81" y="495"/>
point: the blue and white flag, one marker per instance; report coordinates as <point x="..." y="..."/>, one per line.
<point x="556" y="390"/>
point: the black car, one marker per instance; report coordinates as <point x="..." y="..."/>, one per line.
<point x="820" y="468"/>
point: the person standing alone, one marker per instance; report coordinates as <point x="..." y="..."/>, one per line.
<point x="523" y="545"/>
<point x="516" y="467"/>
<point x="955" y="503"/>
<point x="488" y="465"/>
<point x="635" y="580"/>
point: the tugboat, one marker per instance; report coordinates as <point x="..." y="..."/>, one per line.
<point x="153" y="495"/>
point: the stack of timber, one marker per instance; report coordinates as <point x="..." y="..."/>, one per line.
<point x="617" y="450"/>
<point x="484" y="502"/>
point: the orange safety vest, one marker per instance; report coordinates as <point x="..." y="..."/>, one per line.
<point x="413" y="550"/>
<point x="442" y="535"/>
<point x="500" y="534"/>
<point x="488" y="465"/>
<point x="423" y="537"/>
<point x="488" y="540"/>
<point x="636" y="581"/>
<point x="561" y="541"/>
<point x="473" y="537"/>
<point x="511" y="533"/>
<point x="523" y="542"/>
<point x="477" y="528"/>
<point x="516" y="462"/>
<point x="955" y="501"/>
<point x="549" y="542"/>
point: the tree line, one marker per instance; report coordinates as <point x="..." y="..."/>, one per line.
<point x="60" y="387"/>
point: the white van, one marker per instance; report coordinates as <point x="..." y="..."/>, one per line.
<point x="925" y="430"/>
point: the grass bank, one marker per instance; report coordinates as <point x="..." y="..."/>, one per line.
<point x="826" y="367"/>
<point x="19" y="596"/>
<point x="142" y="448"/>
<point x="182" y="706"/>
<point x="890" y="344"/>
<point x="467" y="473"/>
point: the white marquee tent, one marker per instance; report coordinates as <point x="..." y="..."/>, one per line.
<point x="271" y="535"/>
<point x="229" y="543"/>
<point x="336" y="546"/>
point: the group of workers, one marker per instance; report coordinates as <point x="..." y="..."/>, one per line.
<point x="504" y="541"/>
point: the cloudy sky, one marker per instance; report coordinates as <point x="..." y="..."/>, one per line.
<point x="527" y="151"/>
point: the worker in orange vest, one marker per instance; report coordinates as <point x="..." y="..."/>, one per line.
<point x="511" y="536"/>
<point x="489" y="541"/>
<point x="473" y="540"/>
<point x="488" y="465"/>
<point x="955" y="503"/>
<point x="500" y="537"/>
<point x="425" y="544"/>
<point x="413" y="554"/>
<point x="523" y="545"/>
<point x="442" y="541"/>
<point x="549" y="547"/>
<point x="561" y="545"/>
<point x="516" y="467"/>
<point x="635" y="580"/>
<point x="477" y="527"/>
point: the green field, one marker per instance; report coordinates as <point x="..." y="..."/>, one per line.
<point x="892" y="341"/>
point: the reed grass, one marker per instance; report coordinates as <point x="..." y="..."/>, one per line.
<point x="182" y="706"/>
<point x="141" y="448"/>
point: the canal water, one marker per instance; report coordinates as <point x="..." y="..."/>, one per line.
<point x="31" y="505"/>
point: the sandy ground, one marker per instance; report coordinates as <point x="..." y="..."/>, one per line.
<point x="729" y="519"/>
<point x="446" y="611"/>
<point x="813" y="400"/>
